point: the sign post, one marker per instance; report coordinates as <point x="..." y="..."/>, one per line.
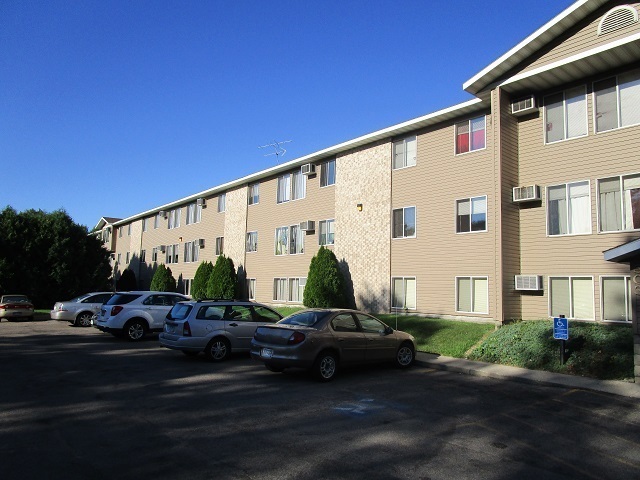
<point x="561" y="332"/>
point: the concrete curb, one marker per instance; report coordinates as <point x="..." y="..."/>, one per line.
<point x="504" y="372"/>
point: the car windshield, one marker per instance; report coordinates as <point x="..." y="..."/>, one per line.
<point x="15" y="298"/>
<point x="180" y="311"/>
<point x="304" y="318"/>
<point x="122" y="298"/>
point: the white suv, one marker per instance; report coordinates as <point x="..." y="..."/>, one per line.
<point x="134" y="314"/>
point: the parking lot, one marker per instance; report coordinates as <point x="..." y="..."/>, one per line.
<point x="76" y="403"/>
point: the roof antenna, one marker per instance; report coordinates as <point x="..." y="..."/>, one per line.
<point x="279" y="151"/>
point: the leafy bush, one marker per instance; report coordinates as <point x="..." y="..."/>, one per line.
<point x="127" y="281"/>
<point x="163" y="280"/>
<point x="325" y="282"/>
<point x="200" y="279"/>
<point x="223" y="280"/>
<point x="594" y="350"/>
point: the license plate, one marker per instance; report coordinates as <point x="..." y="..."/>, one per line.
<point x="266" y="353"/>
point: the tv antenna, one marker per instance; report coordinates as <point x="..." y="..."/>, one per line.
<point x="277" y="146"/>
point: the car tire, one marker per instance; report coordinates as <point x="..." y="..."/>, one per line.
<point x="405" y="356"/>
<point x="325" y="367"/>
<point x="83" y="319"/>
<point x="218" y="349"/>
<point x="135" y="330"/>
<point x="272" y="368"/>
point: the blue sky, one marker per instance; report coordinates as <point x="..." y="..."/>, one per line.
<point x="111" y="108"/>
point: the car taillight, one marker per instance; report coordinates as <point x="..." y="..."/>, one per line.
<point x="186" y="330"/>
<point x="296" y="338"/>
<point x="116" y="310"/>
<point x="3" y="307"/>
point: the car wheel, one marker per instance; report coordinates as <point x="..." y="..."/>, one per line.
<point x="325" y="366"/>
<point x="405" y="355"/>
<point x="83" y="319"/>
<point x="218" y="349"/>
<point x="271" y="368"/>
<point x="134" y="330"/>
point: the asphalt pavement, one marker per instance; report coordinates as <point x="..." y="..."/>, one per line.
<point x="504" y="372"/>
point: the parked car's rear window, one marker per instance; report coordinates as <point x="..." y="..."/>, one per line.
<point x="305" y="318"/>
<point x="122" y="298"/>
<point x="15" y="298"/>
<point x="180" y="311"/>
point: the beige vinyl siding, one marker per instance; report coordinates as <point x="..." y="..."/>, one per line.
<point x="438" y="254"/>
<point x="267" y="215"/>
<point x="579" y="159"/>
<point x="584" y="39"/>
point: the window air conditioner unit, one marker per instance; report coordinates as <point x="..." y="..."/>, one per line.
<point x="201" y="202"/>
<point x="201" y="242"/>
<point x="308" y="226"/>
<point x="161" y="248"/>
<point x="162" y="213"/>
<point x="524" y="106"/>
<point x="527" y="193"/>
<point x="308" y="169"/>
<point x="529" y="282"/>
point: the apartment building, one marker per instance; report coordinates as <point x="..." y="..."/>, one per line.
<point x="523" y="203"/>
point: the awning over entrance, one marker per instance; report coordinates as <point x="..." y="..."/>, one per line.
<point x="625" y="253"/>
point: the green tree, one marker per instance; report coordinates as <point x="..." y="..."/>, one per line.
<point x="127" y="281"/>
<point x="200" y="280"/>
<point x="223" y="281"/>
<point x="325" y="281"/>
<point x="49" y="257"/>
<point x="163" y="280"/>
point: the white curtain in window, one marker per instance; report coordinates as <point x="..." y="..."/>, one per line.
<point x="281" y="240"/>
<point x="610" y="206"/>
<point x="582" y="298"/>
<point x="299" y="185"/>
<point x="464" y="295"/>
<point x="579" y="208"/>
<point x="480" y="295"/>
<point x="412" y="152"/>
<point x="410" y="293"/>
<point x="631" y="193"/>
<point x="284" y="188"/>
<point x="629" y="99"/>
<point x="280" y="289"/>
<point x="576" y="105"/>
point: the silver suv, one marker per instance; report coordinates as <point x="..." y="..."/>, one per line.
<point x="215" y="327"/>
<point x="134" y="314"/>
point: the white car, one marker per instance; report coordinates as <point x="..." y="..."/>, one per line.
<point x="79" y="310"/>
<point x="134" y="314"/>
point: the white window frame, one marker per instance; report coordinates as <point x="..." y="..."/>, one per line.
<point x="628" y="297"/>
<point x="143" y="256"/>
<point x="296" y="248"/>
<point x="251" y="288"/>
<point x="174" y="218"/>
<point x="406" y="162"/>
<point x="565" y="125"/>
<point x="154" y="254"/>
<point x="325" y="178"/>
<point x="251" y="242"/>
<point x="283" y="192"/>
<point x="129" y="230"/>
<point x="275" y="290"/>
<point x="302" y="283"/>
<point x="219" y="246"/>
<point x="469" y="123"/>
<point x="568" y="209"/>
<point x="570" y="315"/>
<point x="618" y="102"/>
<point x="191" y="251"/>
<point x="472" y="299"/>
<point x="404" y="293"/>
<point x="144" y="224"/>
<point x="120" y="229"/>
<point x="156" y="221"/>
<point x="222" y="202"/>
<point x="623" y="206"/>
<point x="327" y="222"/>
<point x="281" y="241"/>
<point x="415" y="226"/>
<point x="253" y="194"/>
<point x="191" y="214"/>
<point x="471" y="203"/>
<point x="291" y="191"/>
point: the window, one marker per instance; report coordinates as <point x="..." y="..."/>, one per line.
<point x="186" y="284"/>
<point x="222" y="202"/>
<point x="144" y="224"/>
<point x="253" y="195"/>
<point x="119" y="232"/>
<point x="280" y="289"/>
<point x="565" y="115"/>
<point x="571" y="297"/>
<point x="156" y="221"/>
<point x="617" y="101"/>
<point x="296" y="289"/>
<point x="174" y="218"/>
<point x="129" y="230"/>
<point x="471" y="215"/>
<point x="154" y="254"/>
<point x="143" y="256"/>
<point x="298" y="185"/>
<point x="472" y="294"/>
<point x="191" y="251"/>
<point x="191" y="214"/>
<point x="296" y="240"/>
<point x="404" y="222"/>
<point x="403" y="292"/>
<point x="404" y="152"/>
<point x="470" y="135"/>
<point x="569" y="209"/>
<point x="172" y="253"/>
<point x="252" y="242"/>
<point x="326" y="236"/>
<point x="619" y="203"/>
<point x="119" y="258"/>
<point x="198" y="212"/>
<point x="284" y="188"/>
<point x="219" y="245"/>
<point x="328" y="173"/>
<point x="127" y="257"/>
<point x="616" y="299"/>
<point x="251" y="288"/>
<point x="282" y="240"/>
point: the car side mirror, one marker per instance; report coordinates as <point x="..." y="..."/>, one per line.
<point x="388" y="330"/>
